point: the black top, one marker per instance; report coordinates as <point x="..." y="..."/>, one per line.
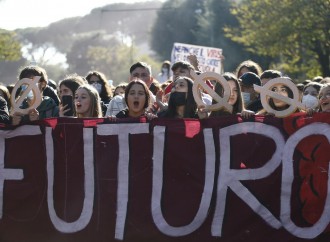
<point x="104" y="107"/>
<point x="4" y="114"/>
<point x="255" y="106"/>
<point x="123" y="113"/>
<point x="50" y="92"/>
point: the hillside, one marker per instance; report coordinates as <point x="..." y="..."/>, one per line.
<point x="106" y="26"/>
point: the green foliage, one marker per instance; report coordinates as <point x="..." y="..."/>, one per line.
<point x="104" y="53"/>
<point x="116" y="61"/>
<point x="296" y="31"/>
<point x="55" y="72"/>
<point x="176" y="22"/>
<point x="200" y="23"/>
<point x="10" y="48"/>
<point x="212" y="23"/>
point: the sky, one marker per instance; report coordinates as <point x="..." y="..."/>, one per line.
<point x="16" y="14"/>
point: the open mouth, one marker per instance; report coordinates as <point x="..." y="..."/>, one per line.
<point x="324" y="104"/>
<point x="136" y="104"/>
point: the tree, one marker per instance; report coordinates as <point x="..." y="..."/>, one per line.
<point x="176" y="22"/>
<point x="10" y="48"/>
<point x="212" y="23"/>
<point x="104" y="53"/>
<point x="295" y="32"/>
<point x="116" y="61"/>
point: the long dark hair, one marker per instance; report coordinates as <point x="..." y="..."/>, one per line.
<point x="73" y="81"/>
<point x="106" y="91"/>
<point x="238" y="106"/>
<point x="272" y="104"/>
<point x="190" y="106"/>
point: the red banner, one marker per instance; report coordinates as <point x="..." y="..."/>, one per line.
<point x="224" y="179"/>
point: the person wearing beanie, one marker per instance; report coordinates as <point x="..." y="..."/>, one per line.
<point x="251" y="98"/>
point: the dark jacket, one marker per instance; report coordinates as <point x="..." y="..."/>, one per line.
<point x="46" y="109"/>
<point x="50" y="92"/>
<point x="255" y="106"/>
<point x="4" y="114"/>
<point x="122" y="114"/>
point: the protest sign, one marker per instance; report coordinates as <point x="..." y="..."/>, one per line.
<point x="209" y="58"/>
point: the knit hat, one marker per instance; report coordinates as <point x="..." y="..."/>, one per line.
<point x="249" y="78"/>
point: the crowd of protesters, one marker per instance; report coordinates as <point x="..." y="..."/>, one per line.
<point x="167" y="95"/>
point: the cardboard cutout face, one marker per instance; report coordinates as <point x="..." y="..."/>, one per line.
<point x="266" y="93"/>
<point x="32" y="85"/>
<point x="199" y="84"/>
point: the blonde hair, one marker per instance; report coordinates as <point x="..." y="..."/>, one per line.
<point x="95" y="110"/>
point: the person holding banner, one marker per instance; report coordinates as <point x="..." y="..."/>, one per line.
<point x="137" y="98"/>
<point x="68" y="87"/>
<point x="235" y="98"/>
<point x="46" y="109"/>
<point x="45" y="89"/>
<point x="183" y="68"/>
<point x="182" y="103"/>
<point x="87" y="102"/>
<point x="275" y="104"/>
